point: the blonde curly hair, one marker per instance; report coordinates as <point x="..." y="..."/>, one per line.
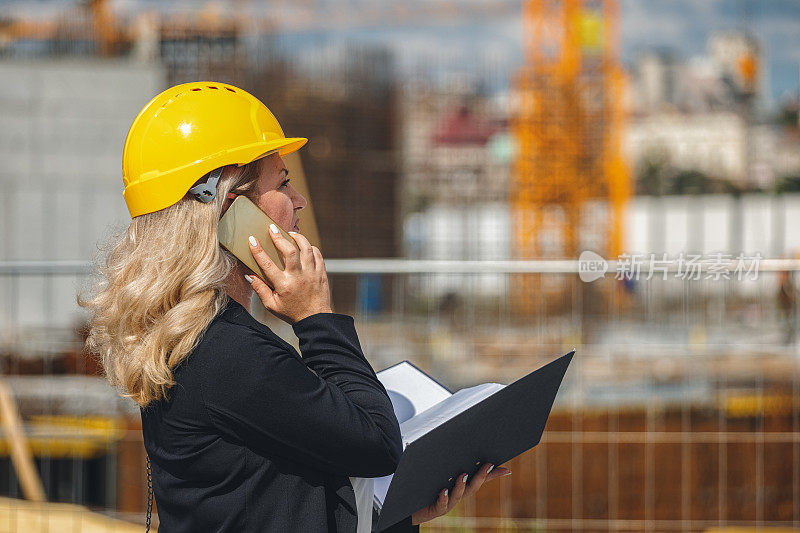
<point x="157" y="285"/>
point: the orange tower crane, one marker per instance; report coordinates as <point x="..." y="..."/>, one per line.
<point x="569" y="183"/>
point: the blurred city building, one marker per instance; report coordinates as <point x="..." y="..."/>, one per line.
<point x="682" y="412"/>
<point x="62" y="128"/>
<point x="350" y="115"/>
<point x="456" y="148"/>
<point x="706" y="115"/>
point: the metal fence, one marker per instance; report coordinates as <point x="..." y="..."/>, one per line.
<point x="680" y="412"/>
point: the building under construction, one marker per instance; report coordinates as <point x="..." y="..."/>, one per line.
<point x="682" y="410"/>
<point x="569" y="185"/>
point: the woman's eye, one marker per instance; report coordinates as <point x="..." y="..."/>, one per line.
<point x="284" y="183"/>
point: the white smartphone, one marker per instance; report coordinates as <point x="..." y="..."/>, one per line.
<point x="242" y="219"/>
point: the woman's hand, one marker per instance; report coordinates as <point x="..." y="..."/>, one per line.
<point x="298" y="291"/>
<point x="446" y="501"/>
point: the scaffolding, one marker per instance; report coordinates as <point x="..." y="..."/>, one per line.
<point x="569" y="183"/>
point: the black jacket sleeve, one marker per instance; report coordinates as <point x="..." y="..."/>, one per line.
<point x="328" y="410"/>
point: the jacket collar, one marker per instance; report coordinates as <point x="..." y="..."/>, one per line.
<point x="234" y="312"/>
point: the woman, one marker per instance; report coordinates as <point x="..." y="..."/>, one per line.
<point x="242" y="433"/>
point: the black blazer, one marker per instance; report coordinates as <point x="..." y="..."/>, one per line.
<point x="253" y="437"/>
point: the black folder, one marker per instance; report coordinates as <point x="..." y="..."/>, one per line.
<point x="499" y="427"/>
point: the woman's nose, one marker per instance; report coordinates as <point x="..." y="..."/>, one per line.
<point x="299" y="200"/>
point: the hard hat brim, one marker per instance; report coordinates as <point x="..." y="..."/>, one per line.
<point x="292" y="145"/>
<point x="147" y="195"/>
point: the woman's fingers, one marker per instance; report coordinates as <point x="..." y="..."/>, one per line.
<point x="464" y="486"/>
<point x="498" y="471"/>
<point x="442" y="504"/>
<point x="458" y="489"/>
<point x="270" y="269"/>
<point x="487" y="472"/>
<point x="307" y="259"/>
<point x="319" y="262"/>
<point x="263" y="290"/>
<point x="478" y="478"/>
<point x="291" y="255"/>
<point x="437" y="508"/>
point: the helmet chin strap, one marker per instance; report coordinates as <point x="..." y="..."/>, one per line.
<point x="206" y="191"/>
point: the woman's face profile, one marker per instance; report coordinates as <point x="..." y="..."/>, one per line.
<point x="275" y="195"/>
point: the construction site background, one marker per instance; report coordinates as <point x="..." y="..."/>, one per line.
<point x="452" y="201"/>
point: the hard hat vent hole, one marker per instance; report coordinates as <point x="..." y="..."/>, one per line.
<point x="170" y="100"/>
<point x="231" y="90"/>
<point x="198" y="89"/>
<point x="210" y="87"/>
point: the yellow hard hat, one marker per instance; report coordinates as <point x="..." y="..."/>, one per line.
<point x="189" y="130"/>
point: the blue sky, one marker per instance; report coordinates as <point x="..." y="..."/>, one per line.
<point x="682" y="26"/>
<point x="495" y="44"/>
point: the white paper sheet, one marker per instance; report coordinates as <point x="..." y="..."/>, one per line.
<point x="411" y="390"/>
<point x="420" y="405"/>
<point x="440" y="413"/>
